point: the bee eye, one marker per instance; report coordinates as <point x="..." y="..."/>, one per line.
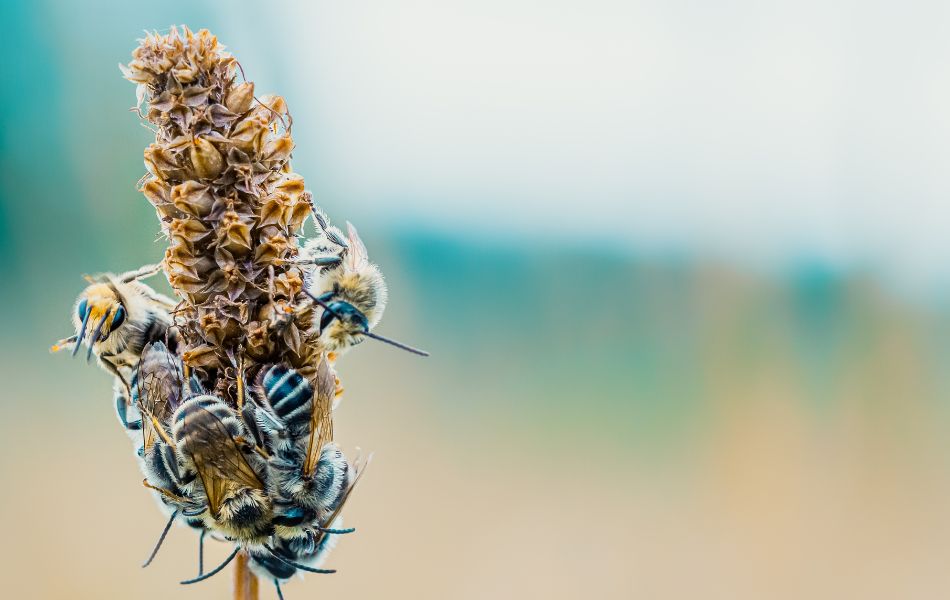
<point x="118" y="318"/>
<point x="347" y="313"/>
<point x="81" y="309"/>
<point x="326" y="318"/>
<point x="359" y="319"/>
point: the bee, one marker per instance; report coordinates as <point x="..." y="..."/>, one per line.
<point x="308" y="476"/>
<point x="353" y="288"/>
<point x="282" y="560"/>
<point x="116" y="316"/>
<point x="211" y="442"/>
<point x="350" y="289"/>
<point x="157" y="391"/>
<point x="306" y="472"/>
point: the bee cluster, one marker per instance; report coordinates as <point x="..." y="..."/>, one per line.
<point x="228" y="390"/>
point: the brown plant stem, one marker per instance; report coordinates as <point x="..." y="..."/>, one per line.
<point x="245" y="582"/>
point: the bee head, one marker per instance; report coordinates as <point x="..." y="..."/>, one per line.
<point x="99" y="306"/>
<point x="346" y="318"/>
<point x="365" y="289"/>
<point x="343" y="325"/>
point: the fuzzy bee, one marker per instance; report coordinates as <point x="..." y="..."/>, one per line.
<point x="350" y="289"/>
<point x="210" y="441"/>
<point x="116" y="316"/>
<point x="353" y="290"/>
<point x="306" y="485"/>
<point x="158" y="389"/>
<point x="284" y="558"/>
<point x="307" y="473"/>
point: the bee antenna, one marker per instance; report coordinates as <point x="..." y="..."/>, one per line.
<point x="280" y="596"/>
<point x="95" y="335"/>
<point x="82" y="332"/>
<point x="296" y="565"/>
<point x="215" y="571"/>
<point x="367" y="333"/>
<point x="61" y="344"/>
<point x="391" y="342"/>
<point x="161" y="539"/>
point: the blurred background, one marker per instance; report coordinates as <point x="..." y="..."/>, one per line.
<point x="681" y="267"/>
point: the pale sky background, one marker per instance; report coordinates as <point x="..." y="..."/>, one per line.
<point x="761" y="132"/>
<point x="756" y="130"/>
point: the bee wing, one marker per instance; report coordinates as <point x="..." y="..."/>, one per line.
<point x="321" y="423"/>
<point x="327" y="231"/>
<point x="216" y="456"/>
<point x="148" y="401"/>
<point x="159" y="389"/>
<point x="357" y="257"/>
<point x="359" y="470"/>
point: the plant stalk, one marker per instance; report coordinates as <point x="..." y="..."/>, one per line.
<point x="245" y="582"/>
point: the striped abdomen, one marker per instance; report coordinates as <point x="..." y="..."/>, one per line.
<point x="290" y="397"/>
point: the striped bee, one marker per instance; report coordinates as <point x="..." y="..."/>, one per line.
<point x="158" y="389"/>
<point x="308" y="478"/>
<point x="116" y="316"/>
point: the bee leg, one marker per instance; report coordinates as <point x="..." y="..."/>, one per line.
<point x="214" y="571"/>
<point x="121" y="410"/>
<point x="115" y="371"/>
<point x="201" y="552"/>
<point x="280" y="596"/>
<point x="171" y="465"/>
<point x="297" y="565"/>
<point x="249" y="417"/>
<point x="140" y="273"/>
<point x="337" y="531"/>
<point x="161" y="540"/>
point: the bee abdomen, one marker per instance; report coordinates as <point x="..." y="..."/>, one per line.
<point x="289" y="394"/>
<point x="331" y="478"/>
<point x="157" y="470"/>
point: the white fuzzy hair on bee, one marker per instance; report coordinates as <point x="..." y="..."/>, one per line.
<point x="116" y="316"/>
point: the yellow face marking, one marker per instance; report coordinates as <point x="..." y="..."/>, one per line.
<point x="101" y="302"/>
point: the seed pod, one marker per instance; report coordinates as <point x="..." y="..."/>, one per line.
<point x="248" y="134"/>
<point x="205" y="158"/>
<point x="161" y="163"/>
<point x="277" y="150"/>
<point x="188" y="231"/>
<point x="158" y="194"/>
<point x="202" y="355"/>
<point x="193" y="198"/>
<point x="233" y="234"/>
<point x="240" y="97"/>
